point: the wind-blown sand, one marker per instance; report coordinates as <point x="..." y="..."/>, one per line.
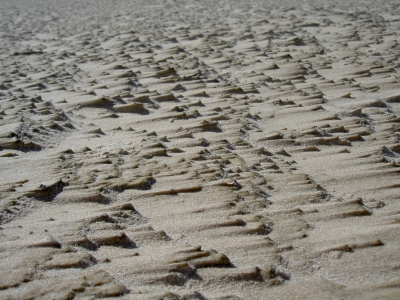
<point x="199" y="149"/>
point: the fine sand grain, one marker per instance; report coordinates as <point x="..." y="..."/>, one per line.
<point x="199" y="149"/>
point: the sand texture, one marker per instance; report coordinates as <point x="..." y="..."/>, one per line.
<point x="199" y="149"/>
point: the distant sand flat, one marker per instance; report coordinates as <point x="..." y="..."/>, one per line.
<point x="199" y="149"/>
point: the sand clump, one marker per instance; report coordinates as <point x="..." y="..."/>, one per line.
<point x="199" y="150"/>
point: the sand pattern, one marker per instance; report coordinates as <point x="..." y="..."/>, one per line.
<point x="199" y="150"/>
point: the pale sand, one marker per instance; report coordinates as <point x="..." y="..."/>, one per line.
<point x="199" y="149"/>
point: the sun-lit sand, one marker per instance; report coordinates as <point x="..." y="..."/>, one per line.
<point x="199" y="149"/>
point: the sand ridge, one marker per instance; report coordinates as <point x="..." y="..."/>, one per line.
<point x="199" y="150"/>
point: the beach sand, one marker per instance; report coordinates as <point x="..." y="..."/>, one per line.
<point x="199" y="149"/>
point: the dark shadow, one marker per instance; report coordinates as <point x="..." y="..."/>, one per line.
<point x="47" y="193"/>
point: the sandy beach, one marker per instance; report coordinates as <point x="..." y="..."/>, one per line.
<point x="199" y="149"/>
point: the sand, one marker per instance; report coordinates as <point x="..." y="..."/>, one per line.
<point x="199" y="149"/>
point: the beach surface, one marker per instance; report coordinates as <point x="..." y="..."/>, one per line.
<point x="199" y="149"/>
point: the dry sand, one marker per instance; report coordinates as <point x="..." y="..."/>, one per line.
<point x="199" y="149"/>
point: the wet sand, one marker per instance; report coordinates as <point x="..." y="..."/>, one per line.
<point x="199" y="150"/>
